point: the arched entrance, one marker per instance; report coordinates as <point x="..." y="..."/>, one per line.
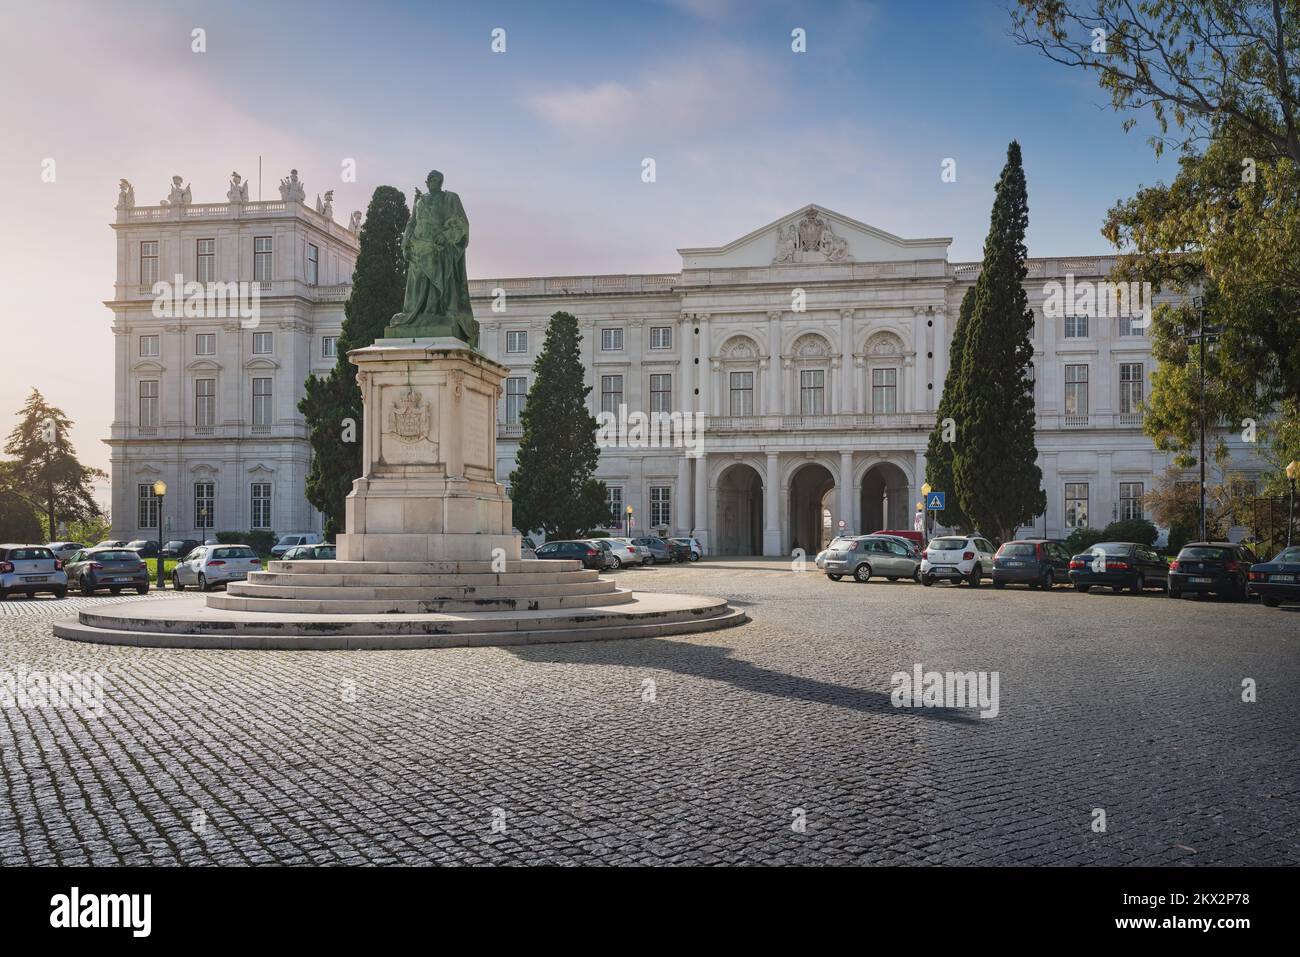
<point x="886" y="498"/>
<point x="739" y="528"/>
<point x="810" y="503"/>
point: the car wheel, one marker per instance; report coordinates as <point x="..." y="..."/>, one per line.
<point x="999" y="584"/>
<point x="1049" y="580"/>
<point x="618" y="562"/>
<point x="976" y="574"/>
<point x="1138" y="585"/>
<point x="1083" y="588"/>
<point x="203" y="583"/>
<point x="1270" y="601"/>
<point x="835" y="578"/>
<point x="862" y="573"/>
<point x="927" y="580"/>
<point x="649" y="560"/>
<point x="61" y="592"/>
<point x="142" y="589"/>
<point x="176" y="583"/>
<point x="86" y="587"/>
<point x="694" y="557"/>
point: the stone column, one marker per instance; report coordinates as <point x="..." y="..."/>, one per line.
<point x="702" y="501"/>
<point x="772" y="506"/>
<point x="844" y="488"/>
<point x="681" y="508"/>
<point x="1102" y="497"/>
<point x="705" y="382"/>
<point x="773" y="405"/>
<point x="846" y="361"/>
<point x="686" y="354"/>
<point x="924" y="368"/>
<point x="790" y="403"/>
<point x="941" y="344"/>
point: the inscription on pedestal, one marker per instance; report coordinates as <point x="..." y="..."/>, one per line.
<point x="480" y="412"/>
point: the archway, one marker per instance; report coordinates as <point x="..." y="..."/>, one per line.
<point x="739" y="528"/>
<point x="810" y="503"/>
<point x="886" y="498"/>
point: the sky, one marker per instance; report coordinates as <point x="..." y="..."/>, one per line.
<point x="544" y="142"/>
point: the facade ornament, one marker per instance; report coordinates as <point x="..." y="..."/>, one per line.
<point x="885" y="344"/>
<point x="739" y="347"/>
<point x="859" y="360"/>
<point x="363" y="379"/>
<point x="125" y="195"/>
<point x="846" y="314"/>
<point x="326" y="208"/>
<point x="811" y="344"/>
<point x="762" y="364"/>
<point x="811" y="240"/>
<point x="774" y="316"/>
<point x="178" y="195"/>
<point x="354" y="225"/>
<point x="291" y="188"/>
<point x="410" y="418"/>
<point x="238" y="192"/>
<point x="787" y="363"/>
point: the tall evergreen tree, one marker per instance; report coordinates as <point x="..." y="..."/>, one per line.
<point x="938" y="452"/>
<point x="552" y="488"/>
<point x="378" y="285"/>
<point x="995" y="473"/>
<point x="46" y="471"/>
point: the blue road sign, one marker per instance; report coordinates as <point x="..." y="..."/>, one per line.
<point x="934" y="502"/>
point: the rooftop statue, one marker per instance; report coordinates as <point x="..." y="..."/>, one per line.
<point x="238" y="192"/>
<point x="291" y="188"/>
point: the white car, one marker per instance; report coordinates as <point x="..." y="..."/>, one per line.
<point x="210" y="565"/>
<point x="957" y="558"/>
<point x="287" y="542"/>
<point x="625" y="552"/>
<point x="64" y="550"/>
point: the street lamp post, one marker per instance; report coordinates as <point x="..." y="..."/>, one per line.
<point x="1202" y="338"/>
<point x="925" y="517"/>
<point x="1292" y="473"/>
<point x="160" y="491"/>
<point x="627" y="522"/>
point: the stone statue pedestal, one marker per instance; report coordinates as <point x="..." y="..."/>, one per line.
<point x="428" y="490"/>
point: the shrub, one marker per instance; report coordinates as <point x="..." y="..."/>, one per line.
<point x="1137" y="530"/>
<point x="1082" y="539"/>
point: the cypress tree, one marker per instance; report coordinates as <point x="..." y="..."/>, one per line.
<point x="378" y="286"/>
<point x="995" y="473"/>
<point x="938" y="453"/>
<point x="552" y="488"/>
<point x="46" y="471"/>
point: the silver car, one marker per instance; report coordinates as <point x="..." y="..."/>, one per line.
<point x="30" y="569"/>
<point x="211" y="565"/>
<point x="866" y="556"/>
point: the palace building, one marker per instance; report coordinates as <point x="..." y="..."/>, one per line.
<point x="810" y="354"/>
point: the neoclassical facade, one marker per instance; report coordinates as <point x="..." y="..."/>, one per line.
<point x="210" y="365"/>
<point x="813" y="351"/>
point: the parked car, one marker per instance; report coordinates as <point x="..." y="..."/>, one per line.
<point x="625" y="551"/>
<point x="110" y="543"/>
<point x="590" y="555"/>
<point x="30" y="569"/>
<point x="681" y="551"/>
<point x="287" y="542"/>
<point x="907" y="543"/>
<point x="697" y="550"/>
<point x="180" y="547"/>
<point x="654" y="549"/>
<point x="144" y="548"/>
<point x="1036" y="562"/>
<point x="957" y="558"/>
<point x="211" y="565"/>
<point x="608" y="558"/>
<point x="1120" y="565"/>
<point x="866" y="555"/>
<point x="324" y="552"/>
<point x="64" y="550"/>
<point x="113" y="568"/>
<point x="1278" y="580"/>
<point x="1221" y="568"/>
<point x="820" y="560"/>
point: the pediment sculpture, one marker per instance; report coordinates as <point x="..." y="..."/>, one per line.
<point x="811" y="240"/>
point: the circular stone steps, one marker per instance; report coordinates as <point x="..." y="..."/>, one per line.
<point x="430" y="592"/>
<point x="412" y="606"/>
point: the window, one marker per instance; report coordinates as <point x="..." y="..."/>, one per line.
<point x="261" y="401"/>
<point x="812" y="391"/>
<point x="205" y="344"/>
<point x="517" y="341"/>
<point x="614" y="496"/>
<point x="206" y="260"/>
<point x="1126" y="327"/>
<point x="1076" y="504"/>
<point x="1076" y="390"/>
<point x="661" y="337"/>
<point x="661" y="510"/>
<point x="1076" y="327"/>
<point x="262" y="258"/>
<point x="1130" y="387"/>
<point x="205" y="502"/>
<point x="149" y="403"/>
<point x="1130" y="500"/>
<point x="261" y="343"/>
<point x="205" y="402"/>
<point x="741" y="387"/>
<point x="148" y="503"/>
<point x="329" y="346"/>
<point x="611" y="340"/>
<point x="884" y="390"/>
<point x="149" y="262"/>
<point x="149" y="346"/>
<point x="313" y="264"/>
<point x="516" y="396"/>
<point x="261" y="511"/>
<point x="611" y="393"/>
<point x="661" y="392"/>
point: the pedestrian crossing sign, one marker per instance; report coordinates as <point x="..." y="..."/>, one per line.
<point x="934" y="502"/>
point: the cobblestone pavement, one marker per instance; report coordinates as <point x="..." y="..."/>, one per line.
<point x="700" y="749"/>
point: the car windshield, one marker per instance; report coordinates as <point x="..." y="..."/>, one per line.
<point x="233" y="553"/>
<point x="1111" y="548"/>
<point x="948" y="544"/>
<point x="1019" y="548"/>
<point x="29" y="554"/>
<point x="1214" y="554"/>
<point x="1288" y="555"/>
<point x="114" y="556"/>
<point x="138" y="543"/>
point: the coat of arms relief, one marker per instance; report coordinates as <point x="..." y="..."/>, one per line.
<point x="811" y="240"/>
<point x="410" y="417"/>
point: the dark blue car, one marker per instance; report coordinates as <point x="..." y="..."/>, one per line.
<point x="1277" y="581"/>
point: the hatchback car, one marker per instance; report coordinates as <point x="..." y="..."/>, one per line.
<point x="144" y="548"/>
<point x="210" y="565"/>
<point x="1120" y="565"/>
<point x="585" y="552"/>
<point x="1221" y="568"/>
<point x="1035" y="562"/>
<point x="301" y="553"/>
<point x="64" y="550"/>
<point x="958" y="559"/>
<point x="625" y="551"/>
<point x="29" y="569"/>
<point x="113" y="568"/>
<point x="180" y="547"/>
<point x="1278" y="580"/>
<point x="697" y="550"/>
<point x="654" y="550"/>
<point x="866" y="555"/>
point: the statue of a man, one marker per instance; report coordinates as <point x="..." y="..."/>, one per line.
<point x="437" y="290"/>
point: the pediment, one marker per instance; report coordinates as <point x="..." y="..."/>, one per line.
<point x="813" y="235"/>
